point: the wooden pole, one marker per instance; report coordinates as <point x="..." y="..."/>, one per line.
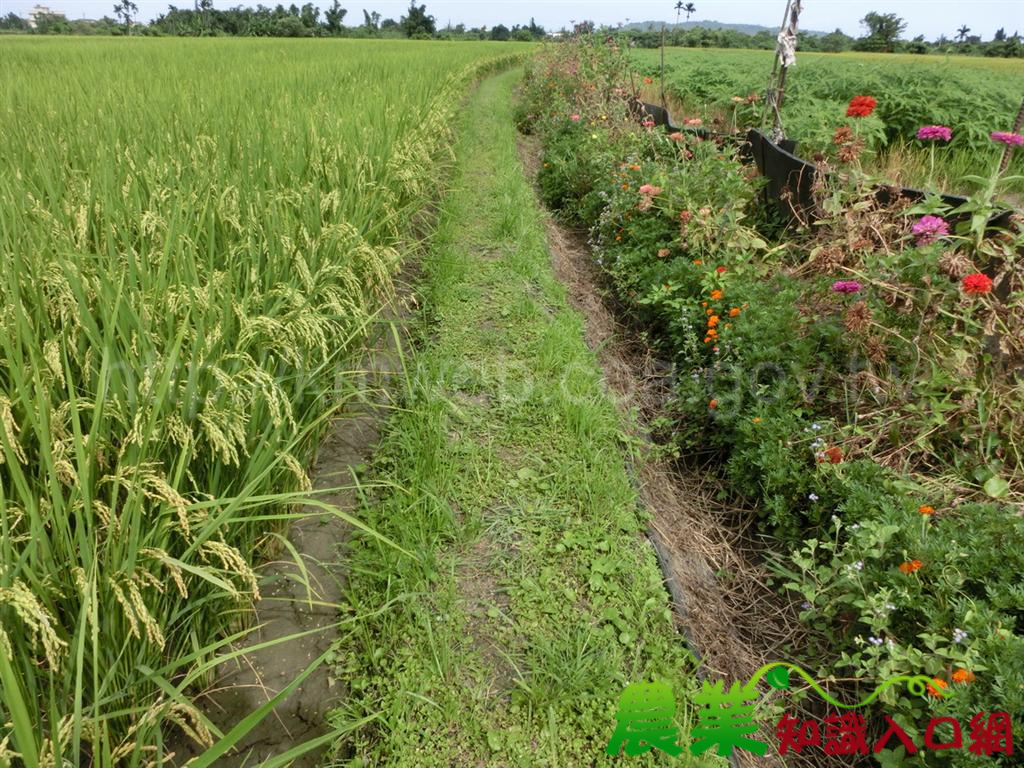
<point x="790" y="18"/>
<point x="663" y="104"/>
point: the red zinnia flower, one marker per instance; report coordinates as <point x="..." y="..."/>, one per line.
<point x="977" y="283"/>
<point x="861" y="106"/>
<point x="720" y="270"/>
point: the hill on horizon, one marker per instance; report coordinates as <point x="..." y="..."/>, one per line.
<point x="747" y="29"/>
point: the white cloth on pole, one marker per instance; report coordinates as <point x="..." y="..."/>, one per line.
<point x="786" y="48"/>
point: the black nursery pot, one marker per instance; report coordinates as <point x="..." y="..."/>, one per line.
<point x="790" y="179"/>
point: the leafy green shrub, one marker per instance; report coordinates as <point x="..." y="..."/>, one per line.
<point x="841" y="410"/>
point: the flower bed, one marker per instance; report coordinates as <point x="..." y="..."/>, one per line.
<point x="854" y="379"/>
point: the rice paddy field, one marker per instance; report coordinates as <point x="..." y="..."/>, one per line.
<point x="195" y="235"/>
<point x="699" y="440"/>
<point x="971" y="95"/>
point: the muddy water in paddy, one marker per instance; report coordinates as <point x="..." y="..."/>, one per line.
<point x="246" y="683"/>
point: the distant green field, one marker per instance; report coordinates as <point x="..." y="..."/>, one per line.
<point x="973" y="96"/>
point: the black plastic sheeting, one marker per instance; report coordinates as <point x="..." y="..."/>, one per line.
<point x="790" y="178"/>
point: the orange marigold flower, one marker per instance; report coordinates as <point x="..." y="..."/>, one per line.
<point x="713" y="321"/>
<point x="834" y="454"/>
<point x="734" y="311"/>
<point x="910" y="566"/>
<point x="716" y="295"/>
<point x="756" y="419"/>
<point x="625" y="186"/>
<point x="935" y="686"/>
<point x="703" y="303"/>
<point x="963" y="676"/>
<point x="712" y="333"/>
<point x="713" y="404"/>
<point x="648" y="81"/>
<point x="924" y="509"/>
<point x="707" y="339"/>
<point x="634" y="167"/>
<point x="698" y="262"/>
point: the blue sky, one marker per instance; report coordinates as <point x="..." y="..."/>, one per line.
<point x="926" y="17"/>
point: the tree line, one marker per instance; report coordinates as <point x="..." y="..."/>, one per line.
<point x="882" y="31"/>
<point x="307" y="20"/>
<point x="882" y="34"/>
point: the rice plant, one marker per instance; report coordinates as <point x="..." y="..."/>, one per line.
<point x="194" y="235"/>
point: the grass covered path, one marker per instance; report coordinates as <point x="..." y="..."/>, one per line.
<point x="530" y="597"/>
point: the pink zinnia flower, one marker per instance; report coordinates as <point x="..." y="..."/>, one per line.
<point x="1005" y="137"/>
<point x="677" y="136"/>
<point x="846" y="286"/>
<point x="694" y="121"/>
<point x="650" y="189"/>
<point x="648" y="122"/>
<point x="574" y="118"/>
<point x="934" y="133"/>
<point x="929" y="229"/>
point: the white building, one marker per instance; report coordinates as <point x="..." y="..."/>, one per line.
<point x="37" y="11"/>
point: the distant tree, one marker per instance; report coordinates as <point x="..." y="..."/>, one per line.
<point x="1000" y="35"/>
<point x="15" y="22"/>
<point x="961" y="34"/>
<point x="52" y="24"/>
<point x="309" y="15"/>
<point x="290" y="26"/>
<point x="500" y="32"/>
<point x="835" y="42"/>
<point x="417" y="23"/>
<point x="884" y="29"/>
<point x="333" y="18"/>
<point x="205" y="7"/>
<point x="125" y="12"/>
<point x="689" y="8"/>
<point x="523" y="35"/>
<point x="917" y="45"/>
<point x="679" y="9"/>
<point x="371" y="21"/>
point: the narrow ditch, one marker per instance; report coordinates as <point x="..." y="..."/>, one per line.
<point x="286" y="609"/>
<point x="719" y="589"/>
